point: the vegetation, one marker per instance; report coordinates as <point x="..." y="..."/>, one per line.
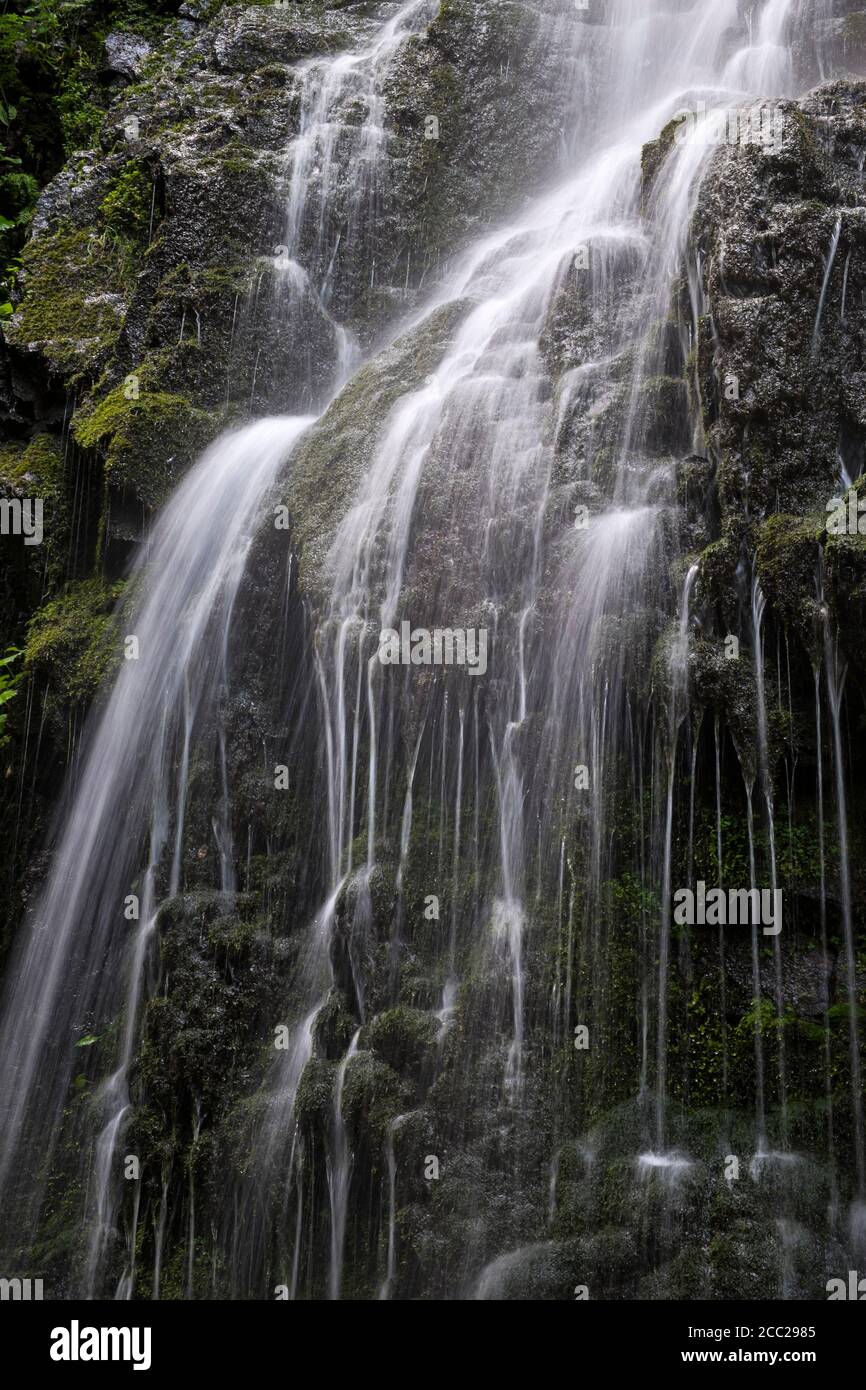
<point x="71" y="640"/>
<point x="53" y="97"/>
<point x="9" y="681"/>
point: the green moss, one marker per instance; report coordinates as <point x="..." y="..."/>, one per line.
<point x="80" y="116"/>
<point x="75" y="286"/>
<point x="35" y="469"/>
<point x="403" y="1038"/>
<point x="372" y="1096"/>
<point x="9" y="681"/>
<point x="146" y="440"/>
<point x="71" y="643"/>
<point x="38" y="461"/>
<point x="785" y="558"/>
<point x="126" y="208"/>
<point x="216" y="965"/>
<point x="845" y="557"/>
<point x="314" y="1105"/>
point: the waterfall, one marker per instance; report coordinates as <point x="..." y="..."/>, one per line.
<point x="391" y="1163"/>
<point x="82" y="957"/>
<point x="339" y="1176"/>
<point x="764" y="66"/>
<point x="499" y="847"/>
<point x="679" y="689"/>
<point x="825" y="285"/>
<point x="766" y="775"/>
<point x="835" y="680"/>
<point x="310" y="264"/>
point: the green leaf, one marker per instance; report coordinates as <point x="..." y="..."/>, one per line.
<point x="87" y="1041"/>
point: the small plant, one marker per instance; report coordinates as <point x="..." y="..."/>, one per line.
<point x="9" y="682"/>
<point x="125" y="210"/>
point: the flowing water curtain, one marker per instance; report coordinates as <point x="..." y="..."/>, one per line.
<point x="489" y="400"/>
<point x="86" y="958"/>
<point x="181" y="637"/>
<point x="337" y="198"/>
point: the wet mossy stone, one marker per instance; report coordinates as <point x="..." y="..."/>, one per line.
<point x="315" y="1101"/>
<point x="845" y="559"/>
<point x="775" y="373"/>
<point x="728" y="687"/>
<point x="76" y="286"/>
<point x="202" y="1030"/>
<point x="34" y="470"/>
<point x="331" y="461"/>
<point x="488" y="72"/>
<point x="786" y="559"/>
<point x="663" y="413"/>
<point x="544" y="1272"/>
<point x="71" y="643"/>
<point x="35" y="465"/>
<point x="127" y="207"/>
<point x="404" y="1038"/>
<point x="246" y="38"/>
<point x="653" y="156"/>
<point x="372" y="1094"/>
<point x="334" y="1027"/>
<point x="147" y="439"/>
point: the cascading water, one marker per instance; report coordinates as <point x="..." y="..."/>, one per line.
<point x="341" y="126"/>
<point x="527" y="810"/>
<point x="87" y="953"/>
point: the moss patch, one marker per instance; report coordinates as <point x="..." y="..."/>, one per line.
<point x="126" y="207"/>
<point x="70" y="641"/>
<point x="38" y="462"/>
<point x="146" y="439"/>
<point x="76" y="286"/>
<point x="786" y="558"/>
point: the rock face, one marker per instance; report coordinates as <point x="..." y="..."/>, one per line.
<point x="144" y="325"/>
<point x="125" y="55"/>
<point x="779" y="358"/>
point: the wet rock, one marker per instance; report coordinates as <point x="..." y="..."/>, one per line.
<point x="243" y="40"/>
<point x="125" y="56"/>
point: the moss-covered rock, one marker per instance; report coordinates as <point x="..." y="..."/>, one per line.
<point x="653" y="156"/>
<point x="328" y="467"/>
<point x="404" y="1038"/>
<point x="146" y="438"/>
<point x="76" y="289"/>
<point x="71" y="641"/>
<point x="127" y="206"/>
<point x="786" y="561"/>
